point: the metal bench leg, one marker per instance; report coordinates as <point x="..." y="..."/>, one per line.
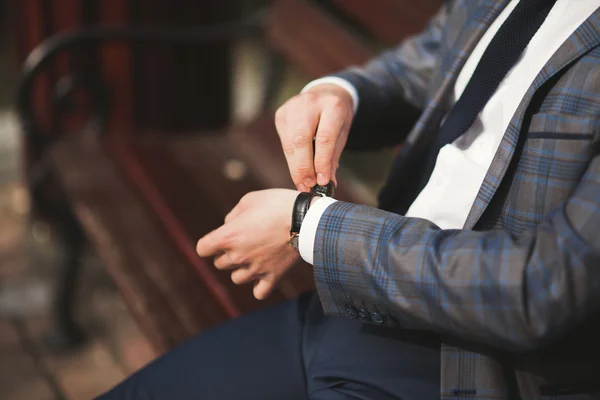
<point x="66" y="333"/>
<point x="49" y="203"/>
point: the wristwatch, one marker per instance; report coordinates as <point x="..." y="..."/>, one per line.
<point x="301" y="206"/>
<point x="327" y="190"/>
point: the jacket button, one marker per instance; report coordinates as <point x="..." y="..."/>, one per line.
<point x="390" y="321"/>
<point x="351" y="311"/>
<point x="377" y="318"/>
<point x="364" y="314"/>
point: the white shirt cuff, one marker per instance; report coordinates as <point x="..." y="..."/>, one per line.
<point x="308" y="230"/>
<point x="334" y="80"/>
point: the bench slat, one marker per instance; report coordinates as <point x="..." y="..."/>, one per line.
<point x="165" y="295"/>
<point x="187" y="173"/>
<point x="196" y="198"/>
<point x="390" y="21"/>
<point x="144" y="203"/>
<point x="313" y="41"/>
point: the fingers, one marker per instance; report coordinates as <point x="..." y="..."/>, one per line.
<point x="301" y="163"/>
<point x="241" y="272"/>
<point x="241" y="276"/>
<point x="229" y="260"/>
<point x="325" y="113"/>
<point x="330" y="126"/>
<point x="263" y="287"/>
<point x="212" y="243"/>
<point x="296" y="123"/>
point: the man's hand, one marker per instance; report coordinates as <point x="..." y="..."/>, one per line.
<point x="253" y="242"/>
<point x="325" y="110"/>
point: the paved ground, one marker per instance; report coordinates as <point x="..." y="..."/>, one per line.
<point x="29" y="369"/>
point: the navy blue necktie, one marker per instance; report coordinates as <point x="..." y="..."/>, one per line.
<point x="501" y="55"/>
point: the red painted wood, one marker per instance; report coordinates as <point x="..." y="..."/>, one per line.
<point x="182" y="88"/>
<point x="117" y="68"/>
<point x="63" y="19"/>
<point x="32" y="28"/>
<point x="136" y="172"/>
<point x="390" y="20"/>
<point x="159" y="87"/>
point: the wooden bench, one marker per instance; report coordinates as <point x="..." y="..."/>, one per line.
<point x="143" y="200"/>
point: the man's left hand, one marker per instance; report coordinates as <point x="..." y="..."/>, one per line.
<point x="253" y="242"/>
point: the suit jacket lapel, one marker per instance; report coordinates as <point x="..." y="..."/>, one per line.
<point x="471" y="20"/>
<point x="585" y="38"/>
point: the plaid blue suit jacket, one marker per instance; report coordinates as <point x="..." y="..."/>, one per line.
<point x="515" y="294"/>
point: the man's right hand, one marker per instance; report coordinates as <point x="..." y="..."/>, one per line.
<point x="326" y="110"/>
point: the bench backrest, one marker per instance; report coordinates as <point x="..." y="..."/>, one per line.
<point x="320" y="36"/>
<point x="323" y="36"/>
<point x="169" y="192"/>
<point x="143" y="80"/>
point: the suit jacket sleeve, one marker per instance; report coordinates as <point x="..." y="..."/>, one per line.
<point x="393" y="88"/>
<point x="491" y="287"/>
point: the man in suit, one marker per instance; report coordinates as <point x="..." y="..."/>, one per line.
<point x="477" y="277"/>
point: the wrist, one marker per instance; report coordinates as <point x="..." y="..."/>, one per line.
<point x="337" y="85"/>
<point x="315" y="199"/>
<point x="334" y="90"/>
<point x="301" y="205"/>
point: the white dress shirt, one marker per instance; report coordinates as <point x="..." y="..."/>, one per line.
<point x="461" y="166"/>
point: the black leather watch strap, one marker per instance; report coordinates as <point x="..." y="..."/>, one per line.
<point x="301" y="206"/>
<point x="327" y="190"/>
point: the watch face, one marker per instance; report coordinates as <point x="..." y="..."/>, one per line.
<point x="327" y="190"/>
<point x="294" y="242"/>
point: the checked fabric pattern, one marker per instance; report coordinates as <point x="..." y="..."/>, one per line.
<point x="526" y="266"/>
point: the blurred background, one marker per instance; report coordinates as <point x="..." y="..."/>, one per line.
<point x="128" y="129"/>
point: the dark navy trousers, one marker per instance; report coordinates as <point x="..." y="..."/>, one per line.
<point x="292" y="352"/>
